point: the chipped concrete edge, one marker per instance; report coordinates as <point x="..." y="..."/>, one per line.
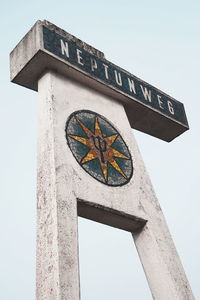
<point x="32" y="42"/>
<point x="71" y="37"/>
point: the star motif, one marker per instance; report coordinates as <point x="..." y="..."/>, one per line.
<point x="100" y="147"/>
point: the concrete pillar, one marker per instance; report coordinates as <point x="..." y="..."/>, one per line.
<point x="57" y="233"/>
<point x="65" y="188"/>
<point x="75" y="81"/>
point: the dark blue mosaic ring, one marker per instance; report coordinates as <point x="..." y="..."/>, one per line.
<point x="99" y="148"/>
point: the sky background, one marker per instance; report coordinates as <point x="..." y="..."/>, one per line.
<point x="157" y="41"/>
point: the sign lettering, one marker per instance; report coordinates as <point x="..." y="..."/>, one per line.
<point x="113" y="76"/>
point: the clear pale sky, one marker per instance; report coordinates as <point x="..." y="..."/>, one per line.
<point x="157" y="41"/>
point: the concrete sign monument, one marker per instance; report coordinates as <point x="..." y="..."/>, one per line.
<point x="89" y="164"/>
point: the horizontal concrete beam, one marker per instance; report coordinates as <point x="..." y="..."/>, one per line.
<point x="48" y="47"/>
<point x="109" y="216"/>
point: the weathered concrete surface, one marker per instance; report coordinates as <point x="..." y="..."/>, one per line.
<point x="148" y="109"/>
<point x="62" y="183"/>
<point x="109" y="216"/>
<point x="57" y="248"/>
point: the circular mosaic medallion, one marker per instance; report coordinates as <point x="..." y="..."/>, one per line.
<point x="99" y="148"/>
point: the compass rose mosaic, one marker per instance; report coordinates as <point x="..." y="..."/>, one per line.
<point x="99" y="148"/>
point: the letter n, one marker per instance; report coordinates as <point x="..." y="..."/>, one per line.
<point x="64" y="48"/>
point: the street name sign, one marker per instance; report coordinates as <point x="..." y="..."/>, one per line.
<point x="89" y="164"/>
<point x="48" y="47"/>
